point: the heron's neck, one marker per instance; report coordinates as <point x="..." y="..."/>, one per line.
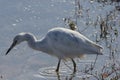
<point x="31" y="41"/>
<point x="36" y="44"/>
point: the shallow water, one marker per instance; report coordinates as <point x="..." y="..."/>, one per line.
<point x="37" y="17"/>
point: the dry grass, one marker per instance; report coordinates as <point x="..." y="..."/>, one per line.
<point x="108" y="35"/>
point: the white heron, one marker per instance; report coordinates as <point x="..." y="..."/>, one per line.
<point x="60" y="42"/>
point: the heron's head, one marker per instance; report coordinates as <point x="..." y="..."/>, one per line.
<point x="17" y="40"/>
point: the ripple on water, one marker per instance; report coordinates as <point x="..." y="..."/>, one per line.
<point x="64" y="72"/>
<point x="50" y="71"/>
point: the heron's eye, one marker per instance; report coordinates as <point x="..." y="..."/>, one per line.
<point x="15" y="41"/>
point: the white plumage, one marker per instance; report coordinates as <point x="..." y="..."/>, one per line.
<point x="60" y="42"/>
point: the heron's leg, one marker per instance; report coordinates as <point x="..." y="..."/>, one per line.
<point x="74" y="64"/>
<point x="57" y="69"/>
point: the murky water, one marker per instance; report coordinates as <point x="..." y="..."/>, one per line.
<point x="37" y="17"/>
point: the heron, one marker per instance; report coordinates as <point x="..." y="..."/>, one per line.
<point x="60" y="42"/>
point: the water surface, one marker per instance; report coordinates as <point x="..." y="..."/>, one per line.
<point x="37" y="17"/>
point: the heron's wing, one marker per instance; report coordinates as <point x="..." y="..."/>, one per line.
<point x="71" y="43"/>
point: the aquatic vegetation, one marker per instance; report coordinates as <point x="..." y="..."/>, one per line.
<point x="106" y="29"/>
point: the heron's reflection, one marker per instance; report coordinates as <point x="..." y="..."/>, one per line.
<point x="63" y="74"/>
<point x="67" y="77"/>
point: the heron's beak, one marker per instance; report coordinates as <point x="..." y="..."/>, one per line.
<point x="11" y="47"/>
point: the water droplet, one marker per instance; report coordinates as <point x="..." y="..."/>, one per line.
<point x="14" y="24"/>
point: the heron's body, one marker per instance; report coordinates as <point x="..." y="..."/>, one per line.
<point x="60" y="42"/>
<point x="65" y="43"/>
